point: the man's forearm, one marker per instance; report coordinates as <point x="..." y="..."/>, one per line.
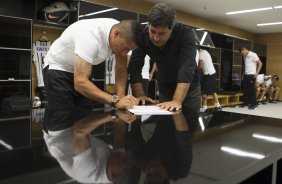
<point x="181" y="92"/>
<point x="121" y="75"/>
<point x="138" y="89"/>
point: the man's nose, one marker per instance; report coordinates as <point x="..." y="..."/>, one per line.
<point x="156" y="38"/>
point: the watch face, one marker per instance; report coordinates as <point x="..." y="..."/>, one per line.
<point x="115" y="98"/>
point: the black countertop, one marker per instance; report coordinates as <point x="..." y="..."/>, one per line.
<point x="219" y="148"/>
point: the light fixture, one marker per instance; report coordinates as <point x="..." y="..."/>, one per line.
<point x="277" y="7"/>
<point x="203" y="38"/>
<point x="202" y="123"/>
<point x="269" y="24"/>
<point x="144" y="23"/>
<point x="98" y="12"/>
<point x="242" y="153"/>
<point x="267" y="138"/>
<point x="3" y="143"/>
<point x="248" y="11"/>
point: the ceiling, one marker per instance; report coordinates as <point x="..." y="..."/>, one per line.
<point x="215" y="10"/>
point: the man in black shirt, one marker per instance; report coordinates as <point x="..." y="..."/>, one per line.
<point x="172" y="47"/>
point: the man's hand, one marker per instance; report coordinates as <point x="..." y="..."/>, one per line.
<point x="145" y="99"/>
<point x="125" y="116"/>
<point x="170" y="105"/>
<point x="127" y="102"/>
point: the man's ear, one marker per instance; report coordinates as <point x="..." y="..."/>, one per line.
<point x="116" y="33"/>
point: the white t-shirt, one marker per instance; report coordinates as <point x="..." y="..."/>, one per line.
<point x="205" y="57"/>
<point x="268" y="83"/>
<point x="251" y="63"/>
<point x="40" y="50"/>
<point x="260" y="79"/>
<point x="146" y="67"/>
<point x="87" y="167"/>
<point x="87" y="38"/>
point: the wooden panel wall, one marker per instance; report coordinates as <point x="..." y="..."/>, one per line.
<point x="274" y="55"/>
<point x="141" y="6"/>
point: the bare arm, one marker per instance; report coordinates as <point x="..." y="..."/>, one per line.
<point x="121" y="74"/>
<point x="82" y="84"/>
<point x="153" y="70"/>
<point x="259" y="65"/>
<point x="83" y="129"/>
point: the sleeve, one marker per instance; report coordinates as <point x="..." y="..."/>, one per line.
<point x="86" y="46"/>
<point x="135" y="65"/>
<point x="187" y="57"/>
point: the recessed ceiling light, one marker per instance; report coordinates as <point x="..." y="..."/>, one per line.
<point x="248" y="11"/>
<point x="98" y="12"/>
<point x="277" y="7"/>
<point x="269" y="24"/>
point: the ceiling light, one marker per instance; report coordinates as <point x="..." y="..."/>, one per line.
<point x="248" y="11"/>
<point x="202" y="123"/>
<point x="268" y="138"/>
<point x="277" y="7"/>
<point x="242" y="153"/>
<point x="3" y="143"/>
<point x="98" y="12"/>
<point x="269" y="24"/>
<point x="144" y="23"/>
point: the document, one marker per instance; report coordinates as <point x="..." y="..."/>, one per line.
<point x="149" y="109"/>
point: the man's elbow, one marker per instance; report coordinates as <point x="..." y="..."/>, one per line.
<point x="78" y="85"/>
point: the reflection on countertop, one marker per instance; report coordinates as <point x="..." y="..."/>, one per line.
<point x="220" y="148"/>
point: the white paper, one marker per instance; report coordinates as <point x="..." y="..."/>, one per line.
<point x="148" y="109"/>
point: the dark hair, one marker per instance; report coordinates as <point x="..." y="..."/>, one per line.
<point x="131" y="30"/>
<point x="275" y="77"/>
<point x="162" y="14"/>
<point x="243" y="48"/>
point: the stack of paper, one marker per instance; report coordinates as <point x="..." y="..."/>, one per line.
<point x="148" y="109"/>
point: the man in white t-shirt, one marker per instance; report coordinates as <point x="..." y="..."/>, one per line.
<point x="252" y="68"/>
<point x="68" y="67"/>
<point x="209" y="79"/>
<point x="86" y="158"/>
<point x="273" y="90"/>
<point x="261" y="90"/>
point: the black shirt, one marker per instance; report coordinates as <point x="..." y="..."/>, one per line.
<point x="175" y="61"/>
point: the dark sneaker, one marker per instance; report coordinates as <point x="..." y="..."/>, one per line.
<point x="273" y="101"/>
<point x="263" y="102"/>
<point x="219" y="108"/>
<point x="253" y="107"/>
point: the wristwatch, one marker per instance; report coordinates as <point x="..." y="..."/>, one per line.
<point x="114" y="117"/>
<point x="114" y="100"/>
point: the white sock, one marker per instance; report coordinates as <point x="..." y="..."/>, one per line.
<point x="205" y="106"/>
<point x="217" y="104"/>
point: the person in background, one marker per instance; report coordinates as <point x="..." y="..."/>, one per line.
<point x="145" y="72"/>
<point x="261" y="90"/>
<point x="252" y="68"/>
<point x="208" y="84"/>
<point x="172" y="47"/>
<point x="273" y="91"/>
<point x="68" y="67"/>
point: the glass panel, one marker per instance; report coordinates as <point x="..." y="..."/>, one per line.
<point x="14" y="134"/>
<point x="237" y="60"/>
<point x="204" y="38"/>
<point x="239" y="43"/>
<point x="14" y="64"/>
<point x="15" y="33"/>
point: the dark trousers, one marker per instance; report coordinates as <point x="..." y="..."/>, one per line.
<point x="249" y="89"/>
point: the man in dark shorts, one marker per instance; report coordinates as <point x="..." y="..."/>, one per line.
<point x="209" y="79"/>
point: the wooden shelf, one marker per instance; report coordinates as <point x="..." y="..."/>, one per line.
<point x="226" y="100"/>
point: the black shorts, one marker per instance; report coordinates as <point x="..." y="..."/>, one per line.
<point x="208" y="84"/>
<point x="65" y="105"/>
